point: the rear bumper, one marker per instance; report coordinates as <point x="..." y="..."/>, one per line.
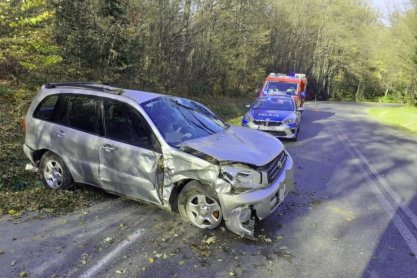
<point x="29" y="154"/>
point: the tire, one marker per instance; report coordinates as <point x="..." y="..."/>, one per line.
<point x="54" y="173"/>
<point x="200" y="206"/>
<point x="296" y="135"/>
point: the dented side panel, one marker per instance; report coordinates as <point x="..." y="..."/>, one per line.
<point x="180" y="166"/>
<point x="130" y="170"/>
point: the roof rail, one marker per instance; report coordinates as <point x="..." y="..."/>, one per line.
<point x="104" y="87"/>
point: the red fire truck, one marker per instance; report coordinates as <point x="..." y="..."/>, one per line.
<point x="281" y="84"/>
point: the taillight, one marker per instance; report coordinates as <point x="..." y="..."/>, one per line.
<point x="24" y="124"/>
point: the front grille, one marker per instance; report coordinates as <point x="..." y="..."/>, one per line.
<point x="267" y="123"/>
<point x="274" y="167"/>
<point x="276" y="133"/>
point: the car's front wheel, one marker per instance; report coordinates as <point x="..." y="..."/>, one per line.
<point x="54" y="172"/>
<point x="200" y="206"/>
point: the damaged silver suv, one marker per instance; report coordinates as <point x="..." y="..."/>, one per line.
<point x="169" y="151"/>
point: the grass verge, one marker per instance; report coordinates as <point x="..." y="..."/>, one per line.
<point x="403" y="118"/>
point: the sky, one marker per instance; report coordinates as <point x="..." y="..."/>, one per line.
<point x="386" y="7"/>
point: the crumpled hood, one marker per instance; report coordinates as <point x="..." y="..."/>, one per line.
<point x="270" y="115"/>
<point x="238" y="144"/>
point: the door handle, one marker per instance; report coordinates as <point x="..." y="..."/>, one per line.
<point x="108" y="148"/>
<point x="60" y="133"/>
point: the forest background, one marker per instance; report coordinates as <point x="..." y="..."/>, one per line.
<point x="211" y="47"/>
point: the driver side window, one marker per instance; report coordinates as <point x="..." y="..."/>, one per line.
<point x="125" y="124"/>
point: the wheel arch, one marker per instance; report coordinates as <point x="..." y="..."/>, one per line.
<point x="37" y="155"/>
<point x="176" y="190"/>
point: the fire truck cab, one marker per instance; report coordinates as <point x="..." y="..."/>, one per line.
<point x="281" y="84"/>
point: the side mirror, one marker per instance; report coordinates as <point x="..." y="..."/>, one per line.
<point x="247" y="105"/>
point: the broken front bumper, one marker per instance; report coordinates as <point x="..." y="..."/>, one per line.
<point x="240" y="210"/>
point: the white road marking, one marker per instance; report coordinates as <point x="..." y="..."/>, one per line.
<point x="43" y="267"/>
<point x="101" y="263"/>
<point x="374" y="180"/>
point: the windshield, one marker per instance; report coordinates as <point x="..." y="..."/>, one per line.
<point x="276" y="87"/>
<point x="179" y="119"/>
<point x="270" y="103"/>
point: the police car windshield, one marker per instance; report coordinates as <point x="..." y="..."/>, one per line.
<point x="270" y="103"/>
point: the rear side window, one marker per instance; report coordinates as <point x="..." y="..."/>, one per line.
<point x="83" y="113"/>
<point x="45" y="109"/>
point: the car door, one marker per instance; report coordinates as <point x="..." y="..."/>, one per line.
<point x="75" y="135"/>
<point x="129" y="154"/>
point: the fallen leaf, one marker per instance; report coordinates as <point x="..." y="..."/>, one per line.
<point x="181" y="263"/>
<point x="23" y="274"/>
<point x="211" y="240"/>
<point x="121" y="271"/>
<point x="108" y="240"/>
<point x="151" y="260"/>
<point x="164" y="256"/>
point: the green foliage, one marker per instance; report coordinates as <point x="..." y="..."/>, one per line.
<point x="237" y="121"/>
<point x="4" y="90"/>
<point x="191" y="47"/>
<point x="388" y="99"/>
<point x="27" y="50"/>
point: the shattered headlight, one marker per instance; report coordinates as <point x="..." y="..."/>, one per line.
<point x="243" y="179"/>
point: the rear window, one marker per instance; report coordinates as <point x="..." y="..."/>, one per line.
<point x="45" y="109"/>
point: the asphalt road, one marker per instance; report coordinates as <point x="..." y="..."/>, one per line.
<point x="353" y="214"/>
